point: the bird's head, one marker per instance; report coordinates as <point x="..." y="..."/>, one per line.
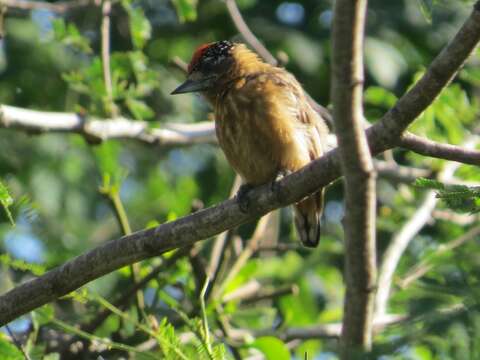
<point x="210" y="63"/>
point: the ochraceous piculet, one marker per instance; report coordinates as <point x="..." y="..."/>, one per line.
<point x="264" y="122"/>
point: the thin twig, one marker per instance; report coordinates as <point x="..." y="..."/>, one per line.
<point x="107" y="75"/>
<point x="124" y="300"/>
<point x="426" y="265"/>
<point x="400" y="173"/>
<point x="247" y="34"/>
<point x="217" y="254"/>
<point x="206" y="331"/>
<point x="249" y="250"/>
<point x="17" y="343"/>
<point x="59" y="7"/>
<point x="113" y="195"/>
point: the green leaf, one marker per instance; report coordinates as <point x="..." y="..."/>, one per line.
<point x="112" y="172"/>
<point x="140" y="28"/>
<point x="9" y="351"/>
<point x="429" y="184"/>
<point x="139" y="109"/>
<point x="186" y="10"/>
<point x="426" y="7"/>
<point x="70" y="36"/>
<point x="6" y="201"/>
<point x="21" y="265"/>
<point x="44" y="315"/>
<point x="272" y="347"/>
<point x="379" y="96"/>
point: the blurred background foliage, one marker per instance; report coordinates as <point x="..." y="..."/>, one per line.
<point x="53" y="187"/>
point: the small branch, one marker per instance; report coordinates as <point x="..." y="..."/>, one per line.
<point x="217" y="254"/>
<point x="107" y="75"/>
<point x="59" y="7"/>
<point x="332" y="331"/>
<point x="400" y="173"/>
<point x="359" y="175"/>
<point x="113" y="195"/>
<point x="247" y="34"/>
<point x="397" y="247"/>
<point x="425" y="266"/>
<point x="17" y="343"/>
<point x="249" y="250"/>
<point x="430" y="148"/>
<point x="97" y="130"/>
<point x="209" y="222"/>
<point x="460" y="219"/>
<point x="180" y="64"/>
<point x="254" y="291"/>
<point x="127" y="295"/>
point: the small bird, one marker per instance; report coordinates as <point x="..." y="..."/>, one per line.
<point x="263" y="121"/>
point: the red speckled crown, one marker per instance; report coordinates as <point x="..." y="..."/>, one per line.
<point x="209" y="52"/>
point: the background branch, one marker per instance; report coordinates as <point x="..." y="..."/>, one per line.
<point x="181" y="134"/>
<point x="97" y="130"/>
<point x="406" y="234"/>
<point x="247" y="34"/>
<point x="56" y="7"/>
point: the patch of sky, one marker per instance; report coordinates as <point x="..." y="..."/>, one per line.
<point x="290" y="13"/>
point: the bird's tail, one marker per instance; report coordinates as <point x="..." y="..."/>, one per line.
<point x="307" y="214"/>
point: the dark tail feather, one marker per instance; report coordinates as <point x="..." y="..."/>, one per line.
<point x="307" y="214"/>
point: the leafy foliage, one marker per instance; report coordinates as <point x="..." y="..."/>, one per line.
<point x="6" y="201"/>
<point x="460" y="198"/>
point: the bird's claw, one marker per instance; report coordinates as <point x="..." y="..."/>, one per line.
<point x="280" y="175"/>
<point x="242" y="198"/>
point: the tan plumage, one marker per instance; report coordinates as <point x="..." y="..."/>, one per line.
<point x="266" y="127"/>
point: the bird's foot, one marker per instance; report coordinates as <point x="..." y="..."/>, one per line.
<point x="280" y="175"/>
<point x="242" y="198"/>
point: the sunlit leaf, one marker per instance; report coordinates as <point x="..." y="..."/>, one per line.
<point x="9" y="351"/>
<point x="140" y="28"/>
<point x="44" y="315"/>
<point x="69" y="35"/>
<point x="272" y="347"/>
<point x="139" y="109"/>
<point x="186" y="9"/>
<point x="426" y="7"/>
<point x="6" y="201"/>
<point x="107" y="156"/>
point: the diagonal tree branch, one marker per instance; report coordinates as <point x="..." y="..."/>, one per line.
<point x="247" y="34"/>
<point x="56" y="7"/>
<point x="359" y="175"/>
<point x="205" y="223"/>
<point x="444" y="151"/>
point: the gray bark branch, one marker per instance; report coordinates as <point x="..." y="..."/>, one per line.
<point x="359" y="175"/>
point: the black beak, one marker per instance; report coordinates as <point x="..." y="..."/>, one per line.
<point x="191" y="86"/>
<point x="197" y="85"/>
